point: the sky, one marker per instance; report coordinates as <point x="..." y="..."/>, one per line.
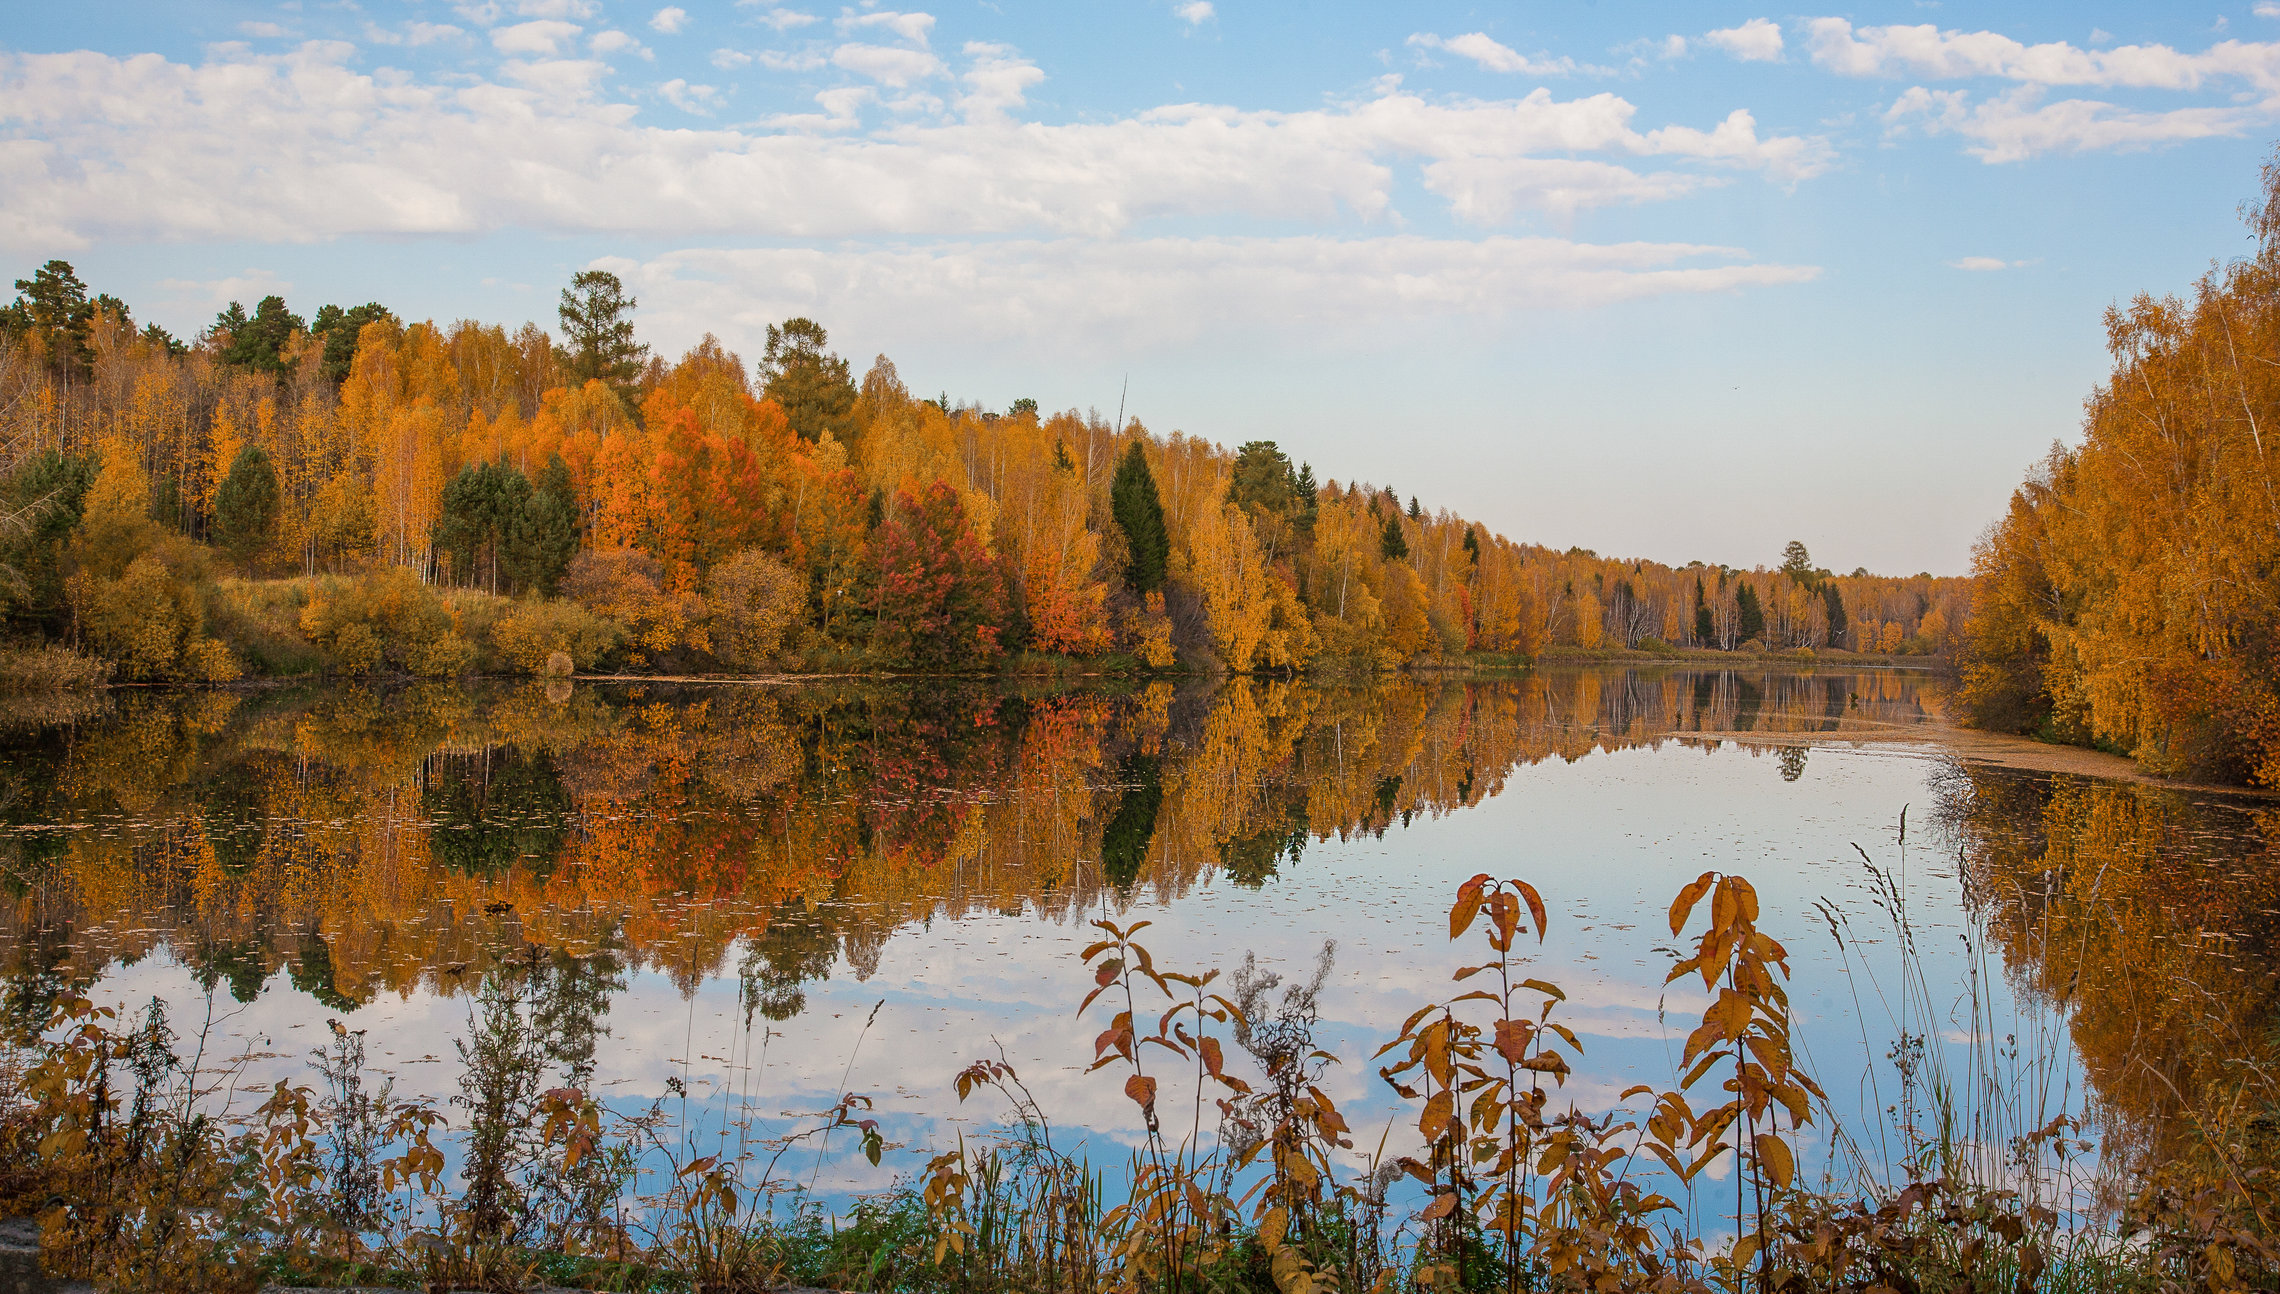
<point x="1659" y="280"/>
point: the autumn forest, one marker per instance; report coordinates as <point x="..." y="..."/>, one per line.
<point x="353" y="494"/>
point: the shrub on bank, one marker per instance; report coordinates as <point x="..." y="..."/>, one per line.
<point x="533" y="630"/>
<point x="756" y="603"/>
<point x="627" y="587"/>
<point x="386" y="618"/>
<point x="150" y="622"/>
<point x="49" y="668"/>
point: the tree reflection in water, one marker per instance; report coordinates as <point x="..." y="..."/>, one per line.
<point x="380" y="841"/>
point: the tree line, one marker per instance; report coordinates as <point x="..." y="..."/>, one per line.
<point x="2129" y="598"/>
<point x="354" y="492"/>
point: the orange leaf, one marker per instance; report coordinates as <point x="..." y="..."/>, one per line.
<point x="1535" y="907"/>
<point x="1683" y="906"/>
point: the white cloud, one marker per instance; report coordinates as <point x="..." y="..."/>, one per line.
<point x="300" y="146"/>
<point x="414" y="34"/>
<point x="998" y="81"/>
<point x="786" y="19"/>
<point x="1080" y="293"/>
<point x="669" y="20"/>
<point x="263" y="30"/>
<point x="2267" y="8"/>
<point x="558" y="82"/>
<point x="246" y="287"/>
<point x="1490" y="190"/>
<point x="911" y="27"/>
<point x="581" y="10"/>
<point x="1195" y="13"/>
<point x="544" y="37"/>
<point x="1493" y="55"/>
<point x="1755" y="41"/>
<point x="697" y="99"/>
<point x="887" y="64"/>
<point x="613" y="41"/>
<point x="1979" y="264"/>
<point x="1926" y="51"/>
<point x="778" y="61"/>
<point x="2016" y="126"/>
<point x="728" y="60"/>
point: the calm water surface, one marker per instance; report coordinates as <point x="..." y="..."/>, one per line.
<point x="765" y="895"/>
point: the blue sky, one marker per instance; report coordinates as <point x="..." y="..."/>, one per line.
<point x="1673" y="281"/>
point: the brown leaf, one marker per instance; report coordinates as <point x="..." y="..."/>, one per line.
<point x="1512" y="1039"/>
<point x="1142" y="1090"/>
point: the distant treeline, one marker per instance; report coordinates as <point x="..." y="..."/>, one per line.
<point x="352" y="493"/>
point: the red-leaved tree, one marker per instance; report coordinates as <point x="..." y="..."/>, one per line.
<point x="940" y="598"/>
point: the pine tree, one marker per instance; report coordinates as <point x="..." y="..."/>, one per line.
<point x="1140" y="513"/>
<point x="1796" y="563"/>
<point x="339" y="330"/>
<point x="597" y="323"/>
<point x="1749" y="617"/>
<point x="810" y="382"/>
<point x="1393" y="545"/>
<point x="55" y="312"/>
<point x="1705" y="626"/>
<point x="260" y="343"/>
<point x="245" y="508"/>
<point x="1834" y="604"/>
<point x="544" y="536"/>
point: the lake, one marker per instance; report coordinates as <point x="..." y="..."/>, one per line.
<point x="744" y="899"/>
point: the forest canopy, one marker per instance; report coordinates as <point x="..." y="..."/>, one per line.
<point x="352" y="492"/>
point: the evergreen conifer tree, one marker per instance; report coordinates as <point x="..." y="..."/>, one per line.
<point x="245" y="508"/>
<point x="597" y="322"/>
<point x="545" y="535"/>
<point x="811" y="383"/>
<point x="1749" y="617"/>
<point x="1393" y="545"/>
<point x="1133" y="501"/>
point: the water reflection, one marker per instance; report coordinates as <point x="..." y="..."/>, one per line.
<point x="372" y="842"/>
<point x="2150" y="919"/>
